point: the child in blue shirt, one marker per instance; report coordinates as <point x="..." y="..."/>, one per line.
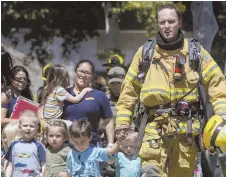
<point x="26" y="156"/>
<point x="84" y="160"/>
<point x="127" y="164"/>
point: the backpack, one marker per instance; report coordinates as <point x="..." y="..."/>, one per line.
<point x="194" y="62"/>
<point x="148" y="51"/>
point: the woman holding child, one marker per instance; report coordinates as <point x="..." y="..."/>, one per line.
<point x="94" y="105"/>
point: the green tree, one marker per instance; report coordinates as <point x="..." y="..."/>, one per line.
<point x="73" y="21"/>
<point x="145" y="12"/>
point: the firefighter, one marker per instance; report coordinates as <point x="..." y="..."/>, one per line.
<point x="166" y="150"/>
<point x="115" y="78"/>
<point x="114" y="60"/>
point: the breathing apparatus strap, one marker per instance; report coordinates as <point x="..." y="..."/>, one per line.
<point x="147" y="54"/>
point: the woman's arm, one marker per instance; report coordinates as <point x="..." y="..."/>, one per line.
<point x="4" y="119"/>
<point x="4" y="98"/>
<point x="110" y="129"/>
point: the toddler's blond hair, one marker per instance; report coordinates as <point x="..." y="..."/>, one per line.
<point x="28" y="114"/>
<point x="11" y="132"/>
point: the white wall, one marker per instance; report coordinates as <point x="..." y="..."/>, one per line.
<point x="130" y="40"/>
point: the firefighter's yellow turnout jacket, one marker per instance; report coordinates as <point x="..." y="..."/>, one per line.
<point x="159" y="87"/>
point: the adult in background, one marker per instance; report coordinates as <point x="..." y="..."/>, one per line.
<point x="100" y="83"/>
<point x="6" y="66"/>
<point x="94" y="105"/>
<point x="19" y="83"/>
<point x="115" y="77"/>
<point x="165" y="149"/>
<point x="114" y="60"/>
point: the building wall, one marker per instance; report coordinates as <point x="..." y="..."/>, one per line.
<point x="129" y="41"/>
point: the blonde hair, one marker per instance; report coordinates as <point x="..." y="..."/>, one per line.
<point x="11" y="132"/>
<point x="28" y="114"/>
<point x="132" y="135"/>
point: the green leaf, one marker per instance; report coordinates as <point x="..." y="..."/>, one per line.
<point x="181" y="7"/>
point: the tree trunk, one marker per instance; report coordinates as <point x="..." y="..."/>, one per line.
<point x="111" y="26"/>
<point x="204" y="23"/>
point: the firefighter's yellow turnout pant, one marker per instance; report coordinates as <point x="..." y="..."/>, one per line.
<point x="171" y="154"/>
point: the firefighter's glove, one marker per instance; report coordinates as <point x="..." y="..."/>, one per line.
<point x="121" y="133"/>
<point x="150" y="171"/>
<point x="170" y="128"/>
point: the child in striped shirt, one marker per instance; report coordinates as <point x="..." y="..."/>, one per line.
<point x="55" y="93"/>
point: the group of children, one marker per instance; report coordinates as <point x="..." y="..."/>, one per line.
<point x="67" y="151"/>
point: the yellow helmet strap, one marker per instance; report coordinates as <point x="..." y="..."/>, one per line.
<point x="44" y="70"/>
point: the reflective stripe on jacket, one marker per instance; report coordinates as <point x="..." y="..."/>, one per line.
<point x="159" y="87"/>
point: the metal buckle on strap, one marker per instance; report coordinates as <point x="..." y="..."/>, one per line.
<point x="171" y="109"/>
<point x="161" y="111"/>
